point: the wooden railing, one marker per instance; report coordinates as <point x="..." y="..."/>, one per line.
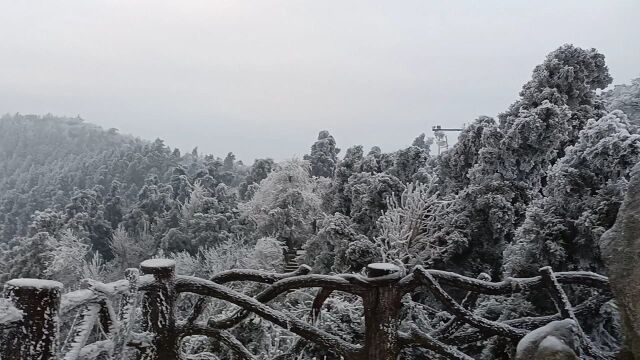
<point x="103" y="326"/>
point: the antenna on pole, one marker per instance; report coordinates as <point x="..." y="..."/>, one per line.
<point x="441" y="137"/>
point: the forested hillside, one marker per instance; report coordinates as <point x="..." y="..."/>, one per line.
<point x="538" y="185"/>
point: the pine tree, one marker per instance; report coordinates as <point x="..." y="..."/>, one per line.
<point x="584" y="191"/>
<point x="324" y="155"/>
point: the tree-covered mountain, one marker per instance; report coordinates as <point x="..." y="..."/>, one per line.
<point x="61" y="173"/>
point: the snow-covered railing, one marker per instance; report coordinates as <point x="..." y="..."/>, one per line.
<point x="41" y="303"/>
<point x="382" y="291"/>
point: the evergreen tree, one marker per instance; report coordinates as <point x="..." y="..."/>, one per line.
<point x="582" y="197"/>
<point x="503" y="167"/>
<point x="626" y="98"/>
<point x="286" y="205"/>
<point x="27" y="257"/>
<point x="324" y="155"/>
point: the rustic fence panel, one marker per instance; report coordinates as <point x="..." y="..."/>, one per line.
<point x="382" y="290"/>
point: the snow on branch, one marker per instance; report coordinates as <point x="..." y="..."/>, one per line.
<point x="243" y="275"/>
<point x="467" y="316"/>
<point x="223" y="336"/>
<point x="416" y="337"/>
<point x="285" y="285"/>
<point x="510" y="285"/>
<point x="301" y="328"/>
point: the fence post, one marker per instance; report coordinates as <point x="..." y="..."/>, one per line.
<point x="381" y="313"/>
<point x="36" y="336"/>
<point x="158" y="307"/>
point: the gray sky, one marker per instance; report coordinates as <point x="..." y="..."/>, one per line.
<point x="261" y="78"/>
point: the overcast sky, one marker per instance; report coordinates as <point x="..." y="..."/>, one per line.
<point x="261" y="78"/>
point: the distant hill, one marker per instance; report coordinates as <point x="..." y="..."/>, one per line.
<point x="43" y="159"/>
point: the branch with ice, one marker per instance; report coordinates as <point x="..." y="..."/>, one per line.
<point x="301" y="328"/>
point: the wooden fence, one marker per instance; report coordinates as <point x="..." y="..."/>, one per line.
<point x="112" y="309"/>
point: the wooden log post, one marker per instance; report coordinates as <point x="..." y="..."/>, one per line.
<point x="126" y="314"/>
<point x="36" y="336"/>
<point x="158" y="308"/>
<point x="381" y="313"/>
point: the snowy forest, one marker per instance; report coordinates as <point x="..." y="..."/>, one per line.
<point x="536" y="187"/>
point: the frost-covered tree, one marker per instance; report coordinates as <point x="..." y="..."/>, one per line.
<point x="324" y="155"/>
<point x="27" y="257"/>
<point x="286" y="205"/>
<point x="129" y="251"/>
<point x="229" y="161"/>
<point x="67" y="258"/>
<point x="267" y="255"/>
<point x="113" y="205"/>
<point x="376" y="161"/>
<point x="368" y="195"/>
<point x="453" y="165"/>
<point x="626" y="98"/>
<point x="569" y="76"/>
<point x="499" y="169"/>
<point x="582" y="197"/>
<point x="423" y="142"/>
<point x="335" y="200"/>
<point x="208" y="216"/>
<point x="522" y="152"/>
<point x="194" y="204"/>
<point x="410" y="164"/>
<point x="326" y="251"/>
<point x="258" y="172"/>
<point x="404" y="237"/>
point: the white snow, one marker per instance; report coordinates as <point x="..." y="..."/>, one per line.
<point x="552" y="344"/>
<point x="96" y="289"/>
<point x="35" y="283"/>
<point x="158" y="263"/>
<point x="538" y="337"/>
<point x="8" y="312"/>
<point x="384" y="266"/>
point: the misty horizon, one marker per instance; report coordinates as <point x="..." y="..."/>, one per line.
<point x="261" y="80"/>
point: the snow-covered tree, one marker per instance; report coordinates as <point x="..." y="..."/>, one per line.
<point x="423" y="142"/>
<point x="368" y="195"/>
<point x="582" y="196"/>
<point x="453" y="165"/>
<point x="324" y="155"/>
<point x="258" y="171"/>
<point x="569" y="77"/>
<point x="404" y="237"/>
<point x="626" y="98"/>
<point x="129" y="251"/>
<point x="27" y="257"/>
<point x="410" y="164"/>
<point x="67" y="258"/>
<point x="327" y="250"/>
<point x="286" y="205"/>
<point x="336" y="200"/>
<point x="496" y="170"/>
